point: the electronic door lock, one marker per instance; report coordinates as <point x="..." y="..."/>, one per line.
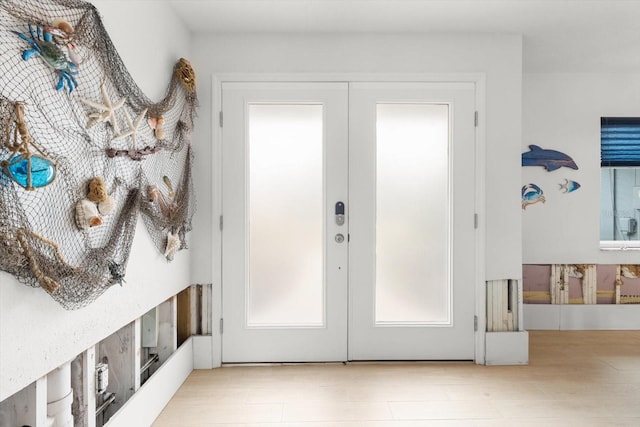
<point x="340" y="213"/>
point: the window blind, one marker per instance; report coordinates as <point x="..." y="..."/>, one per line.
<point x="620" y="141"/>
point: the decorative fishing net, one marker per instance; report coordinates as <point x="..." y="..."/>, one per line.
<point x="83" y="151"/>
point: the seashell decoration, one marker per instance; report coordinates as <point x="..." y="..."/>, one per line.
<point x="87" y="215"/>
<point x="89" y="211"/>
<point x="64" y="34"/>
<point x="186" y="75"/>
<point x="152" y="193"/>
<point x="156" y="123"/>
<point x="167" y="182"/>
<point x="106" y="207"/>
<point x="63" y="25"/>
<point x="173" y="244"/>
<point x="165" y="202"/>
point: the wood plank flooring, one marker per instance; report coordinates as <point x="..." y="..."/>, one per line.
<point x="575" y="378"/>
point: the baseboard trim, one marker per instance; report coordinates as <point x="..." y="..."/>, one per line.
<point x="148" y="402"/>
<point x="202" y="352"/>
<point x="582" y="317"/>
<point x="507" y="348"/>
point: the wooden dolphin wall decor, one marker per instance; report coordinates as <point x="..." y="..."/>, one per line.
<point x="550" y="159"/>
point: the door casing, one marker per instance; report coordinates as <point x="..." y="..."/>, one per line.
<point x="479" y="79"/>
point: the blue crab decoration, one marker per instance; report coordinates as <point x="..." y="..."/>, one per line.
<point x="531" y="194"/>
<point x="42" y="44"/>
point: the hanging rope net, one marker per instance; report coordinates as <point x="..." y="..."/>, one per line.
<point x="83" y="151"/>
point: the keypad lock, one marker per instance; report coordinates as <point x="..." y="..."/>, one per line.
<point x="340" y="213"/>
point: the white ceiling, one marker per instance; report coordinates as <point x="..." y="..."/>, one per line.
<point x="558" y="35"/>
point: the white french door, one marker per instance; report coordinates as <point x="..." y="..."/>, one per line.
<point x="412" y="248"/>
<point x="284" y="275"/>
<point x="348" y="221"/>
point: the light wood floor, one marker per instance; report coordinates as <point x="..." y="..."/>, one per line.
<point x="580" y="378"/>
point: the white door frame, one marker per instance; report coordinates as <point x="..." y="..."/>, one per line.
<point x="479" y="79"/>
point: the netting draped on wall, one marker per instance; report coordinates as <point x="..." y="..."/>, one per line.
<point x="83" y="151"/>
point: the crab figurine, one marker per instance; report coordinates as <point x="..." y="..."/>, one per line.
<point x="42" y="44"/>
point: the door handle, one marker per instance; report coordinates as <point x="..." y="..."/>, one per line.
<point x="339" y="212"/>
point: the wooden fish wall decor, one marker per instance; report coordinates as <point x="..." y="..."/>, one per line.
<point x="569" y="186"/>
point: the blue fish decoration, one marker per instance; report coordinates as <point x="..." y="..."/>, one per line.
<point x="569" y="186"/>
<point x="531" y="194"/>
<point x="550" y="159"/>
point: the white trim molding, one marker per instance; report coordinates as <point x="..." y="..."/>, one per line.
<point x="479" y="79"/>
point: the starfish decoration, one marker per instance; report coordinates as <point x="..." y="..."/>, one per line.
<point x="117" y="273"/>
<point x="133" y="127"/>
<point x="106" y="110"/>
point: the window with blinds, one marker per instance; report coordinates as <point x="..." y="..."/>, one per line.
<point x="620" y="182"/>
<point x="620" y="141"/>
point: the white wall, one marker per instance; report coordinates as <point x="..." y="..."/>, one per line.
<point x="562" y="112"/>
<point x="498" y="56"/>
<point x="36" y="333"/>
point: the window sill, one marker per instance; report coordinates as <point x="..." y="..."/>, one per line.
<point x="620" y="245"/>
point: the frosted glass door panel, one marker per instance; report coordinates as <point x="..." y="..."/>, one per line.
<point x="412" y="203"/>
<point x="284" y="167"/>
<point x="285" y="212"/>
<point x="412" y="215"/>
